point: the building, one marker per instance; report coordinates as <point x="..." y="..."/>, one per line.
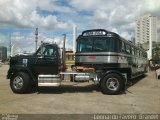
<point x="146" y="29"/>
<point x="146" y="32"/>
<point x="3" y="53"/>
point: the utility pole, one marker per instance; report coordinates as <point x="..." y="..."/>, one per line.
<point x="36" y="38"/>
<point x="10" y="46"/>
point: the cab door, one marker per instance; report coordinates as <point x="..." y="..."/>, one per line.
<point x="47" y="61"/>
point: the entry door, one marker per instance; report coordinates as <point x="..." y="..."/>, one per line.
<point x="47" y="60"/>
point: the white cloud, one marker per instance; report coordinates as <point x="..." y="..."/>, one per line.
<point x="88" y="5"/>
<point x="56" y="40"/>
<point x="2" y="39"/>
<point x="126" y="35"/>
<point x="23" y="13"/>
<point x="114" y="30"/>
<point x="29" y="41"/>
<point x="59" y="41"/>
<point x="118" y="14"/>
<point x="50" y="5"/>
<point x="48" y="22"/>
<point x="117" y="11"/>
<point x="153" y="5"/>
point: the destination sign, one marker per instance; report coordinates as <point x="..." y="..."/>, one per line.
<point x="90" y="33"/>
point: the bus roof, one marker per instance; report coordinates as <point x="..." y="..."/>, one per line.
<point x="103" y="32"/>
<point x="99" y="32"/>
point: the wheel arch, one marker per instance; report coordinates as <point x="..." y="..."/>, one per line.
<point x="14" y="70"/>
<point x="114" y="72"/>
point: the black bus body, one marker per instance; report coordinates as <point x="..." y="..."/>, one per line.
<point x="107" y="52"/>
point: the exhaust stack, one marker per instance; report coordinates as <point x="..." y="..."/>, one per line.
<point x="74" y="37"/>
<point x="64" y="52"/>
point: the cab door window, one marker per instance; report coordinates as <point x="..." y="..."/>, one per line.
<point x="47" y="50"/>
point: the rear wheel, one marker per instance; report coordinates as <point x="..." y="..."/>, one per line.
<point x="112" y="84"/>
<point x="20" y="82"/>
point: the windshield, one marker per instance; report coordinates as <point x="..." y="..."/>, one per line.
<point x="97" y="44"/>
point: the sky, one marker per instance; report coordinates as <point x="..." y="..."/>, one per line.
<point x="20" y="18"/>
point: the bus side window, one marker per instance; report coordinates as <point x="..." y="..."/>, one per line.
<point x="139" y="53"/>
<point x="128" y="49"/>
<point x="133" y="50"/>
<point x="136" y="52"/>
<point x="123" y="48"/>
<point x="145" y="55"/>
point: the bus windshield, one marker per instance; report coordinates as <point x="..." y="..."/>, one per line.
<point x="97" y="44"/>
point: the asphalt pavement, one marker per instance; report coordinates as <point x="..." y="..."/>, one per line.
<point x="82" y="98"/>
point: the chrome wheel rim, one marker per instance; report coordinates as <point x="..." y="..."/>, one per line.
<point x="112" y="84"/>
<point x="18" y="82"/>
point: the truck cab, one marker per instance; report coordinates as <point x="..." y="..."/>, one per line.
<point x="27" y="70"/>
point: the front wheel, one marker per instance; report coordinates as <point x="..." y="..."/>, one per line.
<point x="19" y="83"/>
<point x="112" y="84"/>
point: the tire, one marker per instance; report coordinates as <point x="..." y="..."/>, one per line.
<point x="112" y="84"/>
<point x="20" y="83"/>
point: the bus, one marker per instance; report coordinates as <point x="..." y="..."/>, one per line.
<point x="70" y="62"/>
<point x="115" y="59"/>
